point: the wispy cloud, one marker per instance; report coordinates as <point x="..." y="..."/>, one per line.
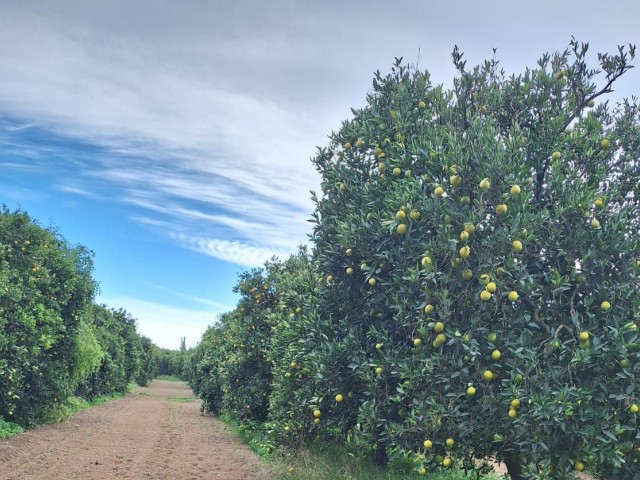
<point x="205" y="301"/>
<point x="171" y="136"/>
<point x="233" y="252"/>
<point x="150" y="221"/>
<point x="252" y="220"/>
<point x="20" y="127"/>
<point x="18" y="166"/>
<point x="21" y="194"/>
<point x="75" y="190"/>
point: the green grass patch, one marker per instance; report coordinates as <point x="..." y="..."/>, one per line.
<point x="65" y="410"/>
<point x="324" y="459"/>
<point x="321" y="460"/>
<point x="9" y="429"/>
<point x="169" y="378"/>
<point x="181" y="399"/>
<point x="253" y="435"/>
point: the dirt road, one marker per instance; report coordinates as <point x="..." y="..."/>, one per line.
<point x="154" y="433"/>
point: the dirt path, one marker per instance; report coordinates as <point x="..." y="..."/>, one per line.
<point x="154" y="433"/>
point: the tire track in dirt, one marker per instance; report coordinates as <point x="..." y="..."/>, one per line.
<point x="155" y="433"/>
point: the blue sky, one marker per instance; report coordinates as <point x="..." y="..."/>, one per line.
<point x="173" y="138"/>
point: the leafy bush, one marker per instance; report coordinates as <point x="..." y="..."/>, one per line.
<point x="53" y="340"/>
<point x="480" y="254"/>
<point x="122" y="350"/>
<point x="230" y="370"/>
<point x="88" y="353"/>
<point x="45" y="288"/>
<point x="148" y="362"/>
<point x="9" y="429"/>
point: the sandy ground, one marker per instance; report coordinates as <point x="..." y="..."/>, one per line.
<point x="155" y="433"/>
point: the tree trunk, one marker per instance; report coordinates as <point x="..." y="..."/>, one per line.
<point x="380" y="457"/>
<point x="514" y="467"/>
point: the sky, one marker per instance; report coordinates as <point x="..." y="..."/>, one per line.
<point x="173" y="139"/>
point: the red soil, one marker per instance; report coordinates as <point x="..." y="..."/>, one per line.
<point x="154" y="433"/>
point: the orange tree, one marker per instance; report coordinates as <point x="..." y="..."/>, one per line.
<point x="148" y="368"/>
<point x="246" y="371"/>
<point x="229" y="369"/>
<point x="296" y="352"/>
<point x="122" y="355"/>
<point x="54" y="341"/>
<point x="45" y="289"/>
<point x="259" y="362"/>
<point x="481" y="268"/>
<point x="201" y="370"/>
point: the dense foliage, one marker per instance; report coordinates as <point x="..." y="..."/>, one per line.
<point x="124" y="355"/>
<point x="54" y="341"/>
<point x="474" y="286"/>
<point x="253" y="363"/>
<point x="232" y="372"/>
<point x="491" y="233"/>
<point x="170" y="362"/>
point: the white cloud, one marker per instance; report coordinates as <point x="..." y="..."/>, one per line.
<point x="171" y="134"/>
<point x="248" y="221"/>
<point x="165" y="324"/>
<point x="233" y="252"/>
<point x="76" y="191"/>
<point x="20" y="127"/>
<point x="205" y="301"/>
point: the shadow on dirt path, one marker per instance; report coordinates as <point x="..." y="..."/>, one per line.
<point x="156" y="432"/>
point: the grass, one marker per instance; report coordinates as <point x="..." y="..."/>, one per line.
<point x="61" y="412"/>
<point x="65" y="410"/>
<point x="169" y="378"/>
<point x="9" y="429"/>
<point x="253" y="435"/>
<point x="181" y="399"/>
<point x="322" y="460"/>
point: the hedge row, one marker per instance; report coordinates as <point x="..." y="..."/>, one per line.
<point x="474" y="285"/>
<point x="55" y="342"/>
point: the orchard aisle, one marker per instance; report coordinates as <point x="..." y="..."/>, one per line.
<point x="156" y="432"/>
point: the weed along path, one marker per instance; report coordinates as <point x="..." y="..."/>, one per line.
<point x="154" y="433"/>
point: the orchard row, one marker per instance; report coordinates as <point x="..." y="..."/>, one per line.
<point x="55" y="341"/>
<point x="473" y="288"/>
